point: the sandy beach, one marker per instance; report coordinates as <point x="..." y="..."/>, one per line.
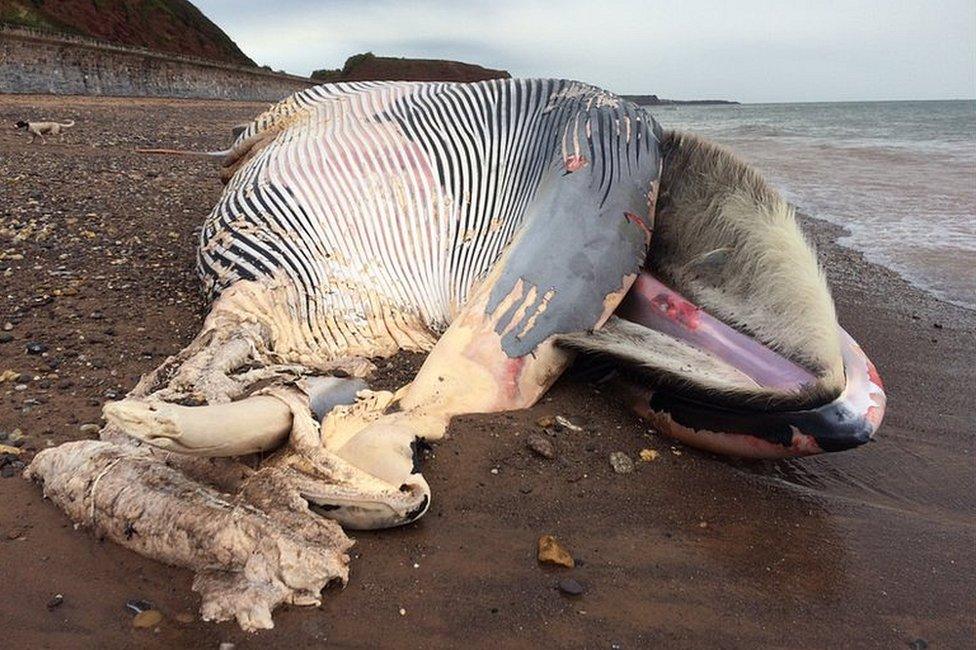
<point x="874" y="547"/>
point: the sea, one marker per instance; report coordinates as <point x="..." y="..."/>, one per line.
<point x="900" y="176"/>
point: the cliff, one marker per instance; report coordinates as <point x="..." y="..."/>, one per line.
<point x="654" y="100"/>
<point x="369" y="67"/>
<point x="174" y="26"/>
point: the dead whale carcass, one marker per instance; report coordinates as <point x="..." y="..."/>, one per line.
<point x="502" y="226"/>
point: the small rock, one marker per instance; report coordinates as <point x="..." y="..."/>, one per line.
<point x="571" y="587"/>
<point x="138" y="606"/>
<point x="918" y="644"/>
<point x="36" y="348"/>
<point x="226" y="645"/>
<point x="403" y="612"/>
<point x="566" y="424"/>
<point x="540" y="445"/>
<point x="8" y="326"/>
<point x="147" y="619"/>
<point x="552" y="552"/>
<point x="546" y="422"/>
<point x="8" y="375"/>
<point x="647" y="455"/>
<point x="6" y="337"/>
<point x="56" y="601"/>
<point x="621" y="463"/>
<point x="89" y="429"/>
<point x="494" y="470"/>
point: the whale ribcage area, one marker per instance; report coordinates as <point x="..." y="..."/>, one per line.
<point x="372" y="209"/>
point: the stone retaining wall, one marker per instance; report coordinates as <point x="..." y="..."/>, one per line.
<point x="38" y="62"/>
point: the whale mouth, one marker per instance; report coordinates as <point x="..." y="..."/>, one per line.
<point x="708" y="384"/>
<point x="728" y="339"/>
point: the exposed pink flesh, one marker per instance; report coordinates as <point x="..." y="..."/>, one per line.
<point x="652" y="304"/>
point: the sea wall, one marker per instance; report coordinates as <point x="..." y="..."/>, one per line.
<point x="37" y="62"/>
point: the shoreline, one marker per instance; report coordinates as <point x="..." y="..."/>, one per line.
<point x="838" y="232"/>
<point x="872" y="547"/>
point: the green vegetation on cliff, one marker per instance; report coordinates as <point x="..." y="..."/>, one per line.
<point x="174" y="26"/>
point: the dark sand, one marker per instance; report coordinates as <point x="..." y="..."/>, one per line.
<point x="873" y="547"/>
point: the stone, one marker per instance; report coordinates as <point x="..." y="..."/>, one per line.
<point x="552" y="552"/>
<point x="621" y="463"/>
<point x="546" y="422"/>
<point x="56" y="601"/>
<point x="36" y="348"/>
<point x="89" y="429"/>
<point x="648" y="455"/>
<point x="8" y="375"/>
<point x="571" y="587"/>
<point x="540" y="445"/>
<point x="6" y="337"/>
<point x="147" y="619"/>
<point x="566" y="424"/>
<point x="137" y="606"/>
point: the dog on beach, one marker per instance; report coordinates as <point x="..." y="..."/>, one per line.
<point x="41" y="129"/>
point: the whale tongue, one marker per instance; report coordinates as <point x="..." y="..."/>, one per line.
<point x="655" y="306"/>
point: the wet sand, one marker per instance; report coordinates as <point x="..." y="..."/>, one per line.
<point x="874" y="547"/>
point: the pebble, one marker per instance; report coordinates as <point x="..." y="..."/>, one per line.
<point x="147" y="619"/>
<point x="540" y="445"/>
<point x="56" y="601"/>
<point x="566" y="424"/>
<point x="6" y="337"/>
<point x="494" y="470"/>
<point x="621" y="463"/>
<point x="647" y="455"/>
<point x="8" y="326"/>
<point x="36" y="348"/>
<point x="552" y="552"/>
<point x="138" y="606"/>
<point x="89" y="429"/>
<point x="226" y="645"/>
<point x="571" y="587"/>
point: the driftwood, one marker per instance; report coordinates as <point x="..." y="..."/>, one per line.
<point x="251" y="551"/>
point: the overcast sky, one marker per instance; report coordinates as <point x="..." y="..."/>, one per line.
<point x="749" y="50"/>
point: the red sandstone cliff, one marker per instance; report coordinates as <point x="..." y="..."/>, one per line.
<point x="369" y="67"/>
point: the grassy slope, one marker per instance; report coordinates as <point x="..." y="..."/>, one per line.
<point x="165" y="25"/>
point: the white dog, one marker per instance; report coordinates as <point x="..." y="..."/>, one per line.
<point x="41" y="129"/>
